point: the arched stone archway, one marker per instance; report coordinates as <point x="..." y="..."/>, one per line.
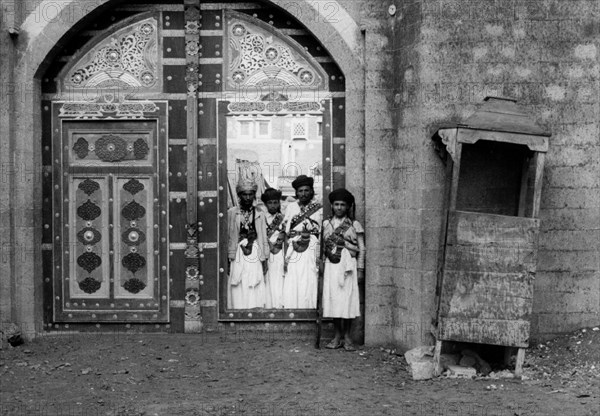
<point x="47" y="25"/>
<point x="329" y="22"/>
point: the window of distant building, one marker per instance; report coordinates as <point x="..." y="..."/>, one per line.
<point x="263" y="129"/>
<point x="254" y="129"/>
<point x="246" y="128"/>
<point x="299" y="129"/>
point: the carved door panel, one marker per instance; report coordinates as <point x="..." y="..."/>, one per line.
<point x="108" y="262"/>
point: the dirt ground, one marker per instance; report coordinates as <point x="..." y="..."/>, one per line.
<point x="234" y="373"/>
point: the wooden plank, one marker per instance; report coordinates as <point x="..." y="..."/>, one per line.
<point x="485" y="331"/>
<point x="473" y="228"/>
<point x="443" y="236"/>
<point x="177" y="167"/>
<point x="474" y="303"/>
<point x="491" y="243"/>
<point x="534" y="143"/>
<point x="222" y="111"/>
<point x="455" y="177"/>
<point x="520" y="361"/>
<point x="437" y="354"/>
<point x="494" y="283"/>
<point x="192" y="121"/>
<point x="488" y="270"/>
<point x="490" y="258"/>
<point x="192" y="319"/>
<point x="524" y="187"/>
<point x="538" y="160"/>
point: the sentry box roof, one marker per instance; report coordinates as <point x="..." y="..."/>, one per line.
<point x="499" y="119"/>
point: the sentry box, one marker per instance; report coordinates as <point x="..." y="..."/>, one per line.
<point x="489" y="240"/>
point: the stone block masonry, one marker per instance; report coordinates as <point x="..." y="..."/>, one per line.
<point x="447" y="56"/>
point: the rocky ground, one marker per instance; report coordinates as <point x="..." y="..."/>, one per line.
<point x="570" y="363"/>
<point x="232" y="373"/>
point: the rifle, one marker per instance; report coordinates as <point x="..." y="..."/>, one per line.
<point x="319" y="319"/>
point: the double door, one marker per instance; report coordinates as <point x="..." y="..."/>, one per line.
<point x="139" y="147"/>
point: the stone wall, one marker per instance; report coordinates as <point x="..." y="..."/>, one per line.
<point x="449" y="55"/>
<point x="7" y="220"/>
<point x="404" y="186"/>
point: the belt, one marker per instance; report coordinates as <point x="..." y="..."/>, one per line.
<point x="294" y="233"/>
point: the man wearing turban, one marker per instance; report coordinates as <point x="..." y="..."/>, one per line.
<point x="303" y="220"/>
<point x="344" y="253"/>
<point x="248" y="250"/>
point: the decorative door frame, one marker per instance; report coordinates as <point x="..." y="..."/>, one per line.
<point x="226" y="107"/>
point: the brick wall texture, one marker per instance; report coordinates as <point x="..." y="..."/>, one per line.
<point x="441" y="59"/>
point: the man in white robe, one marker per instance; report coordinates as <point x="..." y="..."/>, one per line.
<point x="303" y="219"/>
<point x="248" y="251"/>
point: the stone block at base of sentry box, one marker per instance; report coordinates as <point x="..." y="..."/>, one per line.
<point x="422" y="370"/>
<point x="457" y="371"/>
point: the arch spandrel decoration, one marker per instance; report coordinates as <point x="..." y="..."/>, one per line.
<point x="261" y="57"/>
<point x="126" y="59"/>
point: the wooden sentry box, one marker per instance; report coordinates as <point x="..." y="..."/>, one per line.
<point x="488" y="253"/>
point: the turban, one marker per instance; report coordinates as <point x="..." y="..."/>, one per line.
<point x="341" y="194"/>
<point x="303" y="180"/>
<point x="270" y="194"/>
<point x="246" y="185"/>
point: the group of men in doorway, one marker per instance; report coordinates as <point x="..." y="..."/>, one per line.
<point x="275" y="257"/>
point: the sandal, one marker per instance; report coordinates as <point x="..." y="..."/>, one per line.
<point x="332" y="345"/>
<point x="349" y="347"/>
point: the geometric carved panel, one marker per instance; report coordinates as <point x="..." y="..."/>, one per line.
<point x="89" y="239"/>
<point x="100" y="148"/>
<point x="259" y="56"/>
<point x="127" y="59"/>
<point x="134" y="248"/>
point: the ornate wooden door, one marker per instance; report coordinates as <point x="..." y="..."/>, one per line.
<point x="111" y="198"/>
<point x="107" y="171"/>
<point x="134" y="161"/>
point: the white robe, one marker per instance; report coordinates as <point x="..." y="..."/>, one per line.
<point x="274" y="281"/>
<point x="246" y="281"/>
<point x="340" y="280"/>
<point x="340" y="288"/>
<point x="275" y="274"/>
<point x="300" y="283"/>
